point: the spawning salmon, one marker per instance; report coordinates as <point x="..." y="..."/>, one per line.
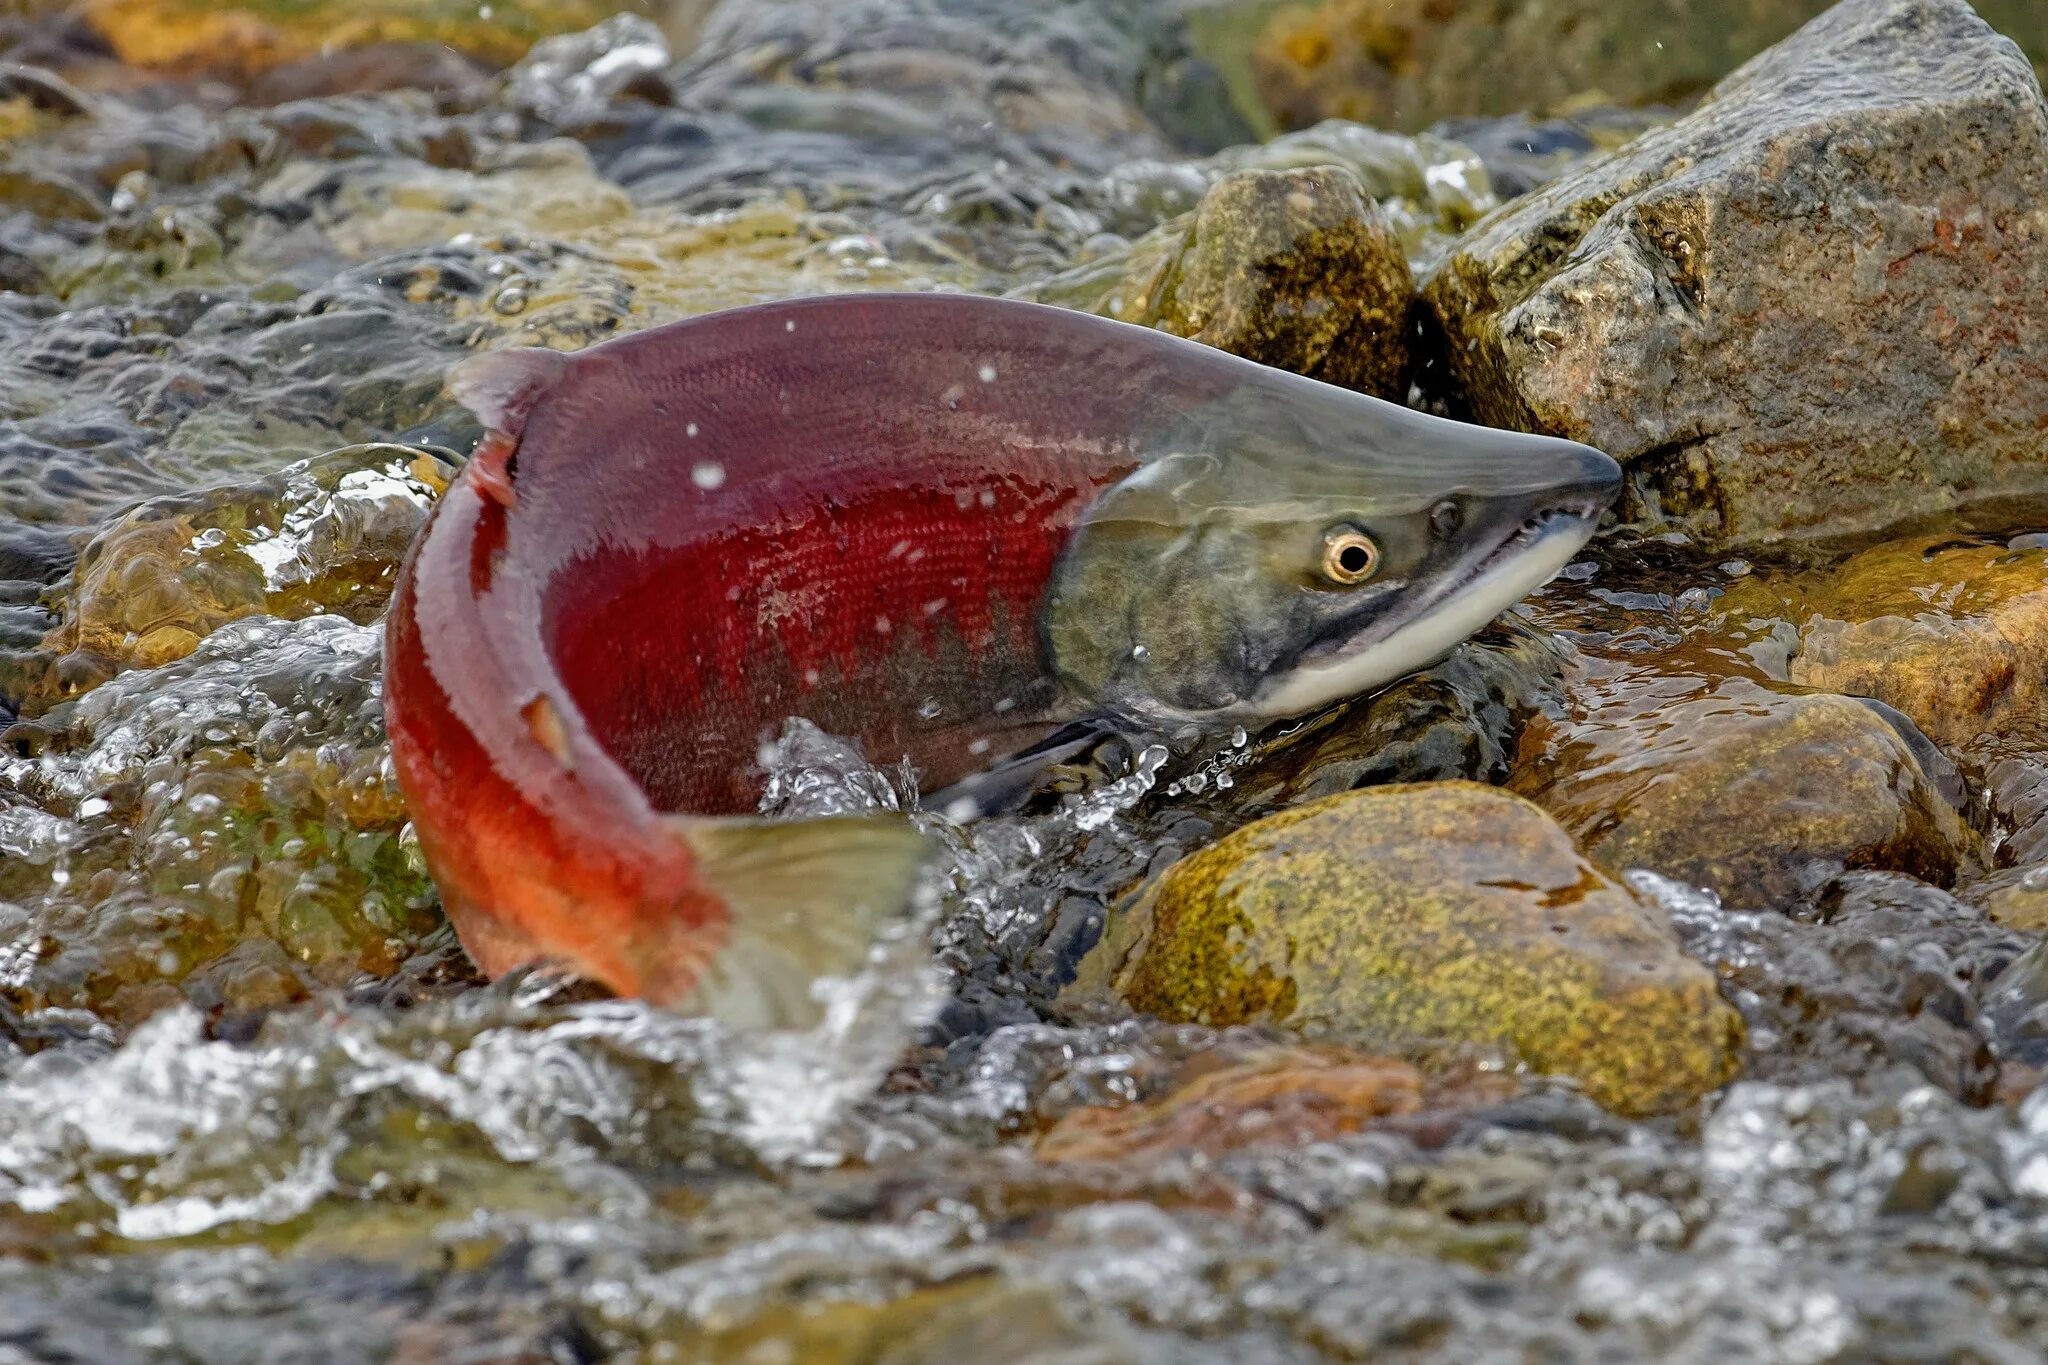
<point x="937" y="524"/>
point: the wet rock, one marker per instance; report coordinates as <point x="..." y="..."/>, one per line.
<point x="2016" y="897"/>
<point x="978" y="1318"/>
<point x="241" y="795"/>
<point x="324" y="535"/>
<point x="1755" y="792"/>
<point x="1449" y="912"/>
<point x="1807" y="309"/>
<point x="1953" y="634"/>
<point x="1294" y="269"/>
<point x="246" y="37"/>
<point x="1290" y="1097"/>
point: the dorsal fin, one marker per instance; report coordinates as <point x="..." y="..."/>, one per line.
<point x="501" y="387"/>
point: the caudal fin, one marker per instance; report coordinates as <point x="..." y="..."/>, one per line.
<point x="807" y="899"/>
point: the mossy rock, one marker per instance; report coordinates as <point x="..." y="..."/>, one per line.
<point x="1294" y="268"/>
<point x="1443" y="912"/>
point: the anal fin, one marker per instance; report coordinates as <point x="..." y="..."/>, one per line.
<point x="807" y="899"/>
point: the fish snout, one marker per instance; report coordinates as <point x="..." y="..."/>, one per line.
<point x="1518" y="477"/>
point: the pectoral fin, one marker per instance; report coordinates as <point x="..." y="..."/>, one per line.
<point x="807" y="899"/>
<point x="1076" y="755"/>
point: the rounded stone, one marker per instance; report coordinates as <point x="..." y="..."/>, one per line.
<point x="1755" y="793"/>
<point x="1443" y="912"/>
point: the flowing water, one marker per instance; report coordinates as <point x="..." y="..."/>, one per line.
<point x="256" y="1107"/>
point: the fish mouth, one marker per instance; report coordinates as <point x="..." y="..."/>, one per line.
<point x="1470" y="593"/>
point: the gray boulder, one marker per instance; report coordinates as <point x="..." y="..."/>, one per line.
<point x="1816" y="306"/>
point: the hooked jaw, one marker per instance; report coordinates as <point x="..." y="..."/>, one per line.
<point x="1514" y="545"/>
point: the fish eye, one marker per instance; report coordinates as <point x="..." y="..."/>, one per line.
<point x="1349" y="555"/>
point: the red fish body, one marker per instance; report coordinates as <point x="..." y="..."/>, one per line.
<point x="932" y="523"/>
<point x="844" y="509"/>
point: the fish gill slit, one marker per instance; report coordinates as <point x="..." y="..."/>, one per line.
<point x="492" y="466"/>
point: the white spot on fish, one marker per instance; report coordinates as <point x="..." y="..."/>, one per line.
<point x="1006" y="704"/>
<point x="936" y="605"/>
<point x="979" y="747"/>
<point x="810" y="677"/>
<point x="963" y="498"/>
<point x="883" y="625"/>
<point x="789" y="326"/>
<point x="952" y="396"/>
<point x="690" y="430"/>
<point x="987" y="373"/>
<point x="708" y="475"/>
<point x="899" y="549"/>
<point x="988" y="497"/>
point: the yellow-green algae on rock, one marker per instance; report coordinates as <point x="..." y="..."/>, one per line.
<point x="250" y="36"/>
<point x="1447" y="912"/>
<point x="1294" y="268"/>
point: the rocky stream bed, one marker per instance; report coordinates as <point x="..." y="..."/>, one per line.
<point x="1661" y="976"/>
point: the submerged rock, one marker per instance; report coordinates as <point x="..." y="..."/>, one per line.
<point x="1447" y="912"/>
<point x="1953" y="634"/>
<point x="1296" y="269"/>
<point x="1810" y="308"/>
<point x="1289" y="1097"/>
<point x="1756" y="793"/>
<point x="323" y="536"/>
<point x="1461" y="718"/>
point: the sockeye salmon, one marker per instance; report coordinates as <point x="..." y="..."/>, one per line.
<point x="937" y="524"/>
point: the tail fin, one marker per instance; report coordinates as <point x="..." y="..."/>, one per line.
<point x="807" y="899"/>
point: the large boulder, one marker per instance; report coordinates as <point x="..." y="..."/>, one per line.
<point x="1444" y="912"/>
<point x="1815" y="306"/>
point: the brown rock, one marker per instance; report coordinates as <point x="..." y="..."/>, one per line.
<point x="1813" y="307"/>
<point x="1752" y="792"/>
<point x="1955" y="636"/>
<point x="325" y="535"/>
<point x="1292" y="268"/>
<point x="1290" y="1097"/>
<point x="245" y="37"/>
